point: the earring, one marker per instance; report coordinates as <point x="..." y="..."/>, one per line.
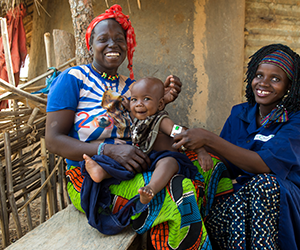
<point x="286" y="95"/>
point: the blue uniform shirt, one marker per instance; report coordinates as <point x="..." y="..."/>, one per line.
<point x="279" y="147"/>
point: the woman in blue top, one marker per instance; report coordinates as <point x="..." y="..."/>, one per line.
<point x="260" y="141"/>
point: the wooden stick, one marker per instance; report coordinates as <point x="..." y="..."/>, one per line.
<point x="129" y="6"/>
<point x="20" y="92"/>
<point x="45" y="165"/>
<point x="4" y="213"/>
<point x="47" y="47"/>
<point x="139" y="4"/>
<point x="33" y="116"/>
<point x="107" y="6"/>
<point x="8" y="61"/>
<point x="60" y="187"/>
<point x="52" y="183"/>
<point x="10" y="189"/>
<point x="50" y="72"/>
<point x="44" y="184"/>
<point x="43" y="196"/>
<point x="26" y="111"/>
<point x="66" y="194"/>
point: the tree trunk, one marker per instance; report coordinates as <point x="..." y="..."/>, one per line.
<point x="64" y="46"/>
<point x="82" y="15"/>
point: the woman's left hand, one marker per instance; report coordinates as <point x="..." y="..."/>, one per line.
<point x="172" y="88"/>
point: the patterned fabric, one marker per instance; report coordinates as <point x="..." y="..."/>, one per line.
<point x="175" y="215"/>
<point x="247" y="219"/>
<point x="278" y="114"/>
<point x="282" y="60"/>
<point x="115" y="12"/>
<point x="144" y="132"/>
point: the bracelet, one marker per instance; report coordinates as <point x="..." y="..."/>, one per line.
<point x="101" y="148"/>
<point x="176" y="130"/>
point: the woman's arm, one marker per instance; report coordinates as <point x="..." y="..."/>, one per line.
<point x="245" y="159"/>
<point x="59" y="124"/>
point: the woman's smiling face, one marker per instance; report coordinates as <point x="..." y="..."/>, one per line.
<point x="269" y="85"/>
<point x="109" y="46"/>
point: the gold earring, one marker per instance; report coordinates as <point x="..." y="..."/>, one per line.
<point x="286" y="95"/>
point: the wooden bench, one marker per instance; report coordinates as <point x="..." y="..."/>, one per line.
<point x="69" y="229"/>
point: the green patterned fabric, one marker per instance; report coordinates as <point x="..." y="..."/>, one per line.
<point x="175" y="215"/>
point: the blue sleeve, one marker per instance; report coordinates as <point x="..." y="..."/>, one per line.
<point x="64" y="92"/>
<point x="282" y="152"/>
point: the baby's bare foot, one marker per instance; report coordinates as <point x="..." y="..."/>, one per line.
<point x="146" y="194"/>
<point x="96" y="172"/>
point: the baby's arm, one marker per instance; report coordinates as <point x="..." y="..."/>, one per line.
<point x="204" y="159"/>
<point x="166" y="126"/>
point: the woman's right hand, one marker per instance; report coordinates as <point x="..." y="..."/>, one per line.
<point x="191" y="139"/>
<point x="130" y="157"/>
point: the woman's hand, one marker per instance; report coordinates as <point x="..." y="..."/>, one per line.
<point x="192" y="139"/>
<point x="172" y="88"/>
<point x="129" y="157"/>
<point x="126" y="103"/>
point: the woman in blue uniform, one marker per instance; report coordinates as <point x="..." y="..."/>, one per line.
<point x="260" y="141"/>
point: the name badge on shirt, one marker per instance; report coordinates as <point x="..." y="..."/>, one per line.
<point x="263" y="138"/>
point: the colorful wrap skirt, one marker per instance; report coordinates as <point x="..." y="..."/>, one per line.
<point x="175" y="216"/>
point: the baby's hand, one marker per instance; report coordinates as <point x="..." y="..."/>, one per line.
<point x="204" y="159"/>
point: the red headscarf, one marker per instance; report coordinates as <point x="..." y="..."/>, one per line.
<point x="115" y="12"/>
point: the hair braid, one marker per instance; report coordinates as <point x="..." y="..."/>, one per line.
<point x="292" y="101"/>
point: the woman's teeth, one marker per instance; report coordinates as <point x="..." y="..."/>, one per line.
<point x="113" y="55"/>
<point x="262" y="92"/>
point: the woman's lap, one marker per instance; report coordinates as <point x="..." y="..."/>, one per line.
<point x="247" y="219"/>
<point x="173" y="214"/>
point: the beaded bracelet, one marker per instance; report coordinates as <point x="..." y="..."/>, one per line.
<point x="101" y="148"/>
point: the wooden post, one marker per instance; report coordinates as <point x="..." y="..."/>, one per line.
<point x="9" y="181"/>
<point x="47" y="47"/>
<point x="8" y="61"/>
<point x="64" y="46"/>
<point x="3" y="207"/>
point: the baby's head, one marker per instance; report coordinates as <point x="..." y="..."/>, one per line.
<point x="147" y="97"/>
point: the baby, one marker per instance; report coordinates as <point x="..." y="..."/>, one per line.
<point x="152" y="132"/>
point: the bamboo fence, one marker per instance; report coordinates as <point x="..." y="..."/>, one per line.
<point x="27" y="170"/>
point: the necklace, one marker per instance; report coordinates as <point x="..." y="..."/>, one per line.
<point x="105" y="75"/>
<point x="261" y="116"/>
